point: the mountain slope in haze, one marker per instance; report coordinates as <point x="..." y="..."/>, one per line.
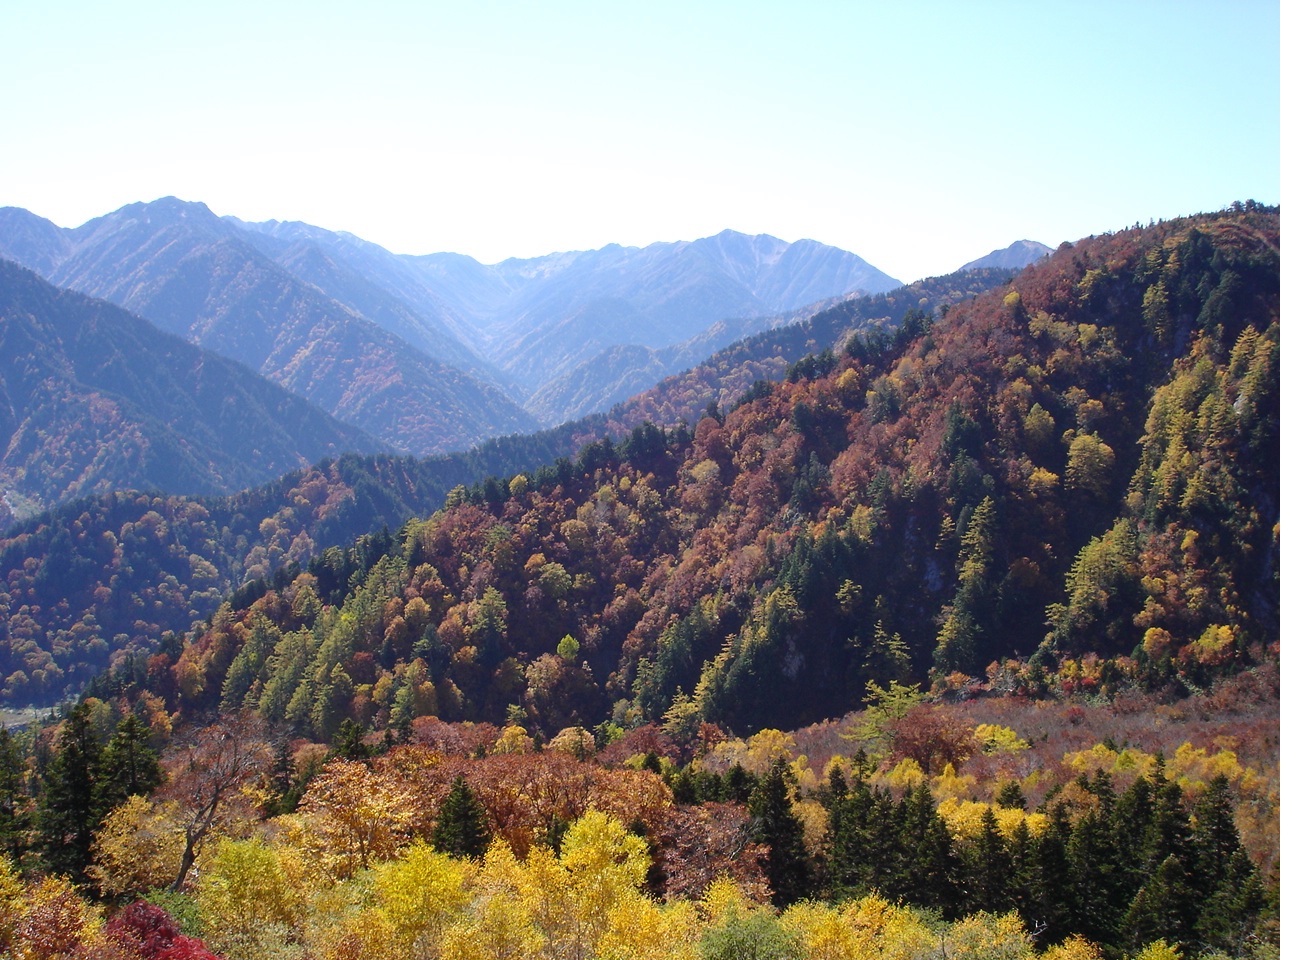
<point x="309" y="307"/>
<point x="617" y="374"/>
<point x="552" y="313"/>
<point x="194" y="275"/>
<point x="373" y="283"/>
<point x="1015" y="257"/>
<point x="93" y="398"/>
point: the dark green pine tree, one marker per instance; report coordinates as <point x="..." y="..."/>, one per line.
<point x="128" y="766"/>
<point x="1022" y="873"/>
<point x="1050" y="894"/>
<point x="988" y="869"/>
<point x="1096" y="888"/>
<point x="1214" y="839"/>
<point x="773" y="824"/>
<point x="14" y="802"/>
<point x="1227" y="919"/>
<point x="462" y="829"/>
<point x="1227" y="895"/>
<point x="864" y="853"/>
<point x="350" y="741"/>
<point x="70" y="808"/>
<point x="1011" y="795"/>
<point x="928" y="867"/>
<point x="1161" y="908"/>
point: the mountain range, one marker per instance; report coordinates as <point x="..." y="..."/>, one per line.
<point x="93" y="398"/>
<point x="429" y="353"/>
<point x="1081" y="463"/>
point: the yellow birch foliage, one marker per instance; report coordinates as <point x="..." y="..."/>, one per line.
<point x="498" y="930"/>
<point x="13" y="896"/>
<point x="998" y="739"/>
<point x="138" y="847"/>
<point x="965" y="818"/>
<point x="951" y="784"/>
<point x="825" y="932"/>
<point x="419" y="894"/>
<point x="1074" y="948"/>
<point x="887" y="931"/>
<point x="722" y="898"/>
<point x="638" y="929"/>
<point x="366" y="935"/>
<point x="987" y="936"/>
<point x="245" y="890"/>
<point x="905" y="773"/>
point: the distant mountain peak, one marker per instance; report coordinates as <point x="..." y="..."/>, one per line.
<point x="1015" y="257"/>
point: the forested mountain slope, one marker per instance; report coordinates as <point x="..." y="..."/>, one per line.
<point x="73" y="603"/>
<point x="372" y="336"/>
<point x="198" y="277"/>
<point x="94" y="399"/>
<point x="1069" y="482"/>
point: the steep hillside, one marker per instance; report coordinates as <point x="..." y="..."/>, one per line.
<point x="373" y="283"/>
<point x="61" y="595"/>
<point x="371" y="336"/>
<point x="1071" y="483"/>
<point x="93" y="399"/>
<point x="194" y="275"/>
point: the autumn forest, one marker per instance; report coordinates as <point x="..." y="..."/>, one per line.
<point x="943" y="623"/>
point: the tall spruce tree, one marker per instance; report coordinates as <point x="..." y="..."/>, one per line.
<point x="462" y="829"/>
<point x="929" y="867"/>
<point x="988" y="869"/>
<point x="128" y="766"/>
<point x="774" y="824"/>
<point x="14" y="802"/>
<point x="71" y="807"/>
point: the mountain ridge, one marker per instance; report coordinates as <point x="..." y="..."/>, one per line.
<point x="96" y="398"/>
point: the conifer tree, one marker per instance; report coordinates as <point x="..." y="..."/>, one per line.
<point x="1051" y="876"/>
<point x="786" y="863"/>
<point x="462" y="829"/>
<point x="928" y="865"/>
<point x="988" y="869"/>
<point x="1161" y="908"/>
<point x="71" y="808"/>
<point x="129" y="766"/>
<point x="13" y="798"/>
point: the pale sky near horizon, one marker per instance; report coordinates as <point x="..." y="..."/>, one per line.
<point x="917" y="135"/>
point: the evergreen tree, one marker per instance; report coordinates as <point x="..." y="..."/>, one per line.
<point x="13" y="798"/>
<point x="462" y="829"/>
<point x="1021" y="871"/>
<point x="70" y="808"/>
<point x="988" y="869"/>
<point x="786" y="863"/>
<point x="864" y="850"/>
<point x="349" y="743"/>
<point x="928" y="865"/>
<point x="129" y="766"/>
<point x="1096" y="899"/>
<point x="1227" y="896"/>
<point x="1050" y="895"/>
<point x="1161" y="908"/>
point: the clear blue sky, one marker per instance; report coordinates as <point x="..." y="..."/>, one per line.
<point x="918" y="135"/>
